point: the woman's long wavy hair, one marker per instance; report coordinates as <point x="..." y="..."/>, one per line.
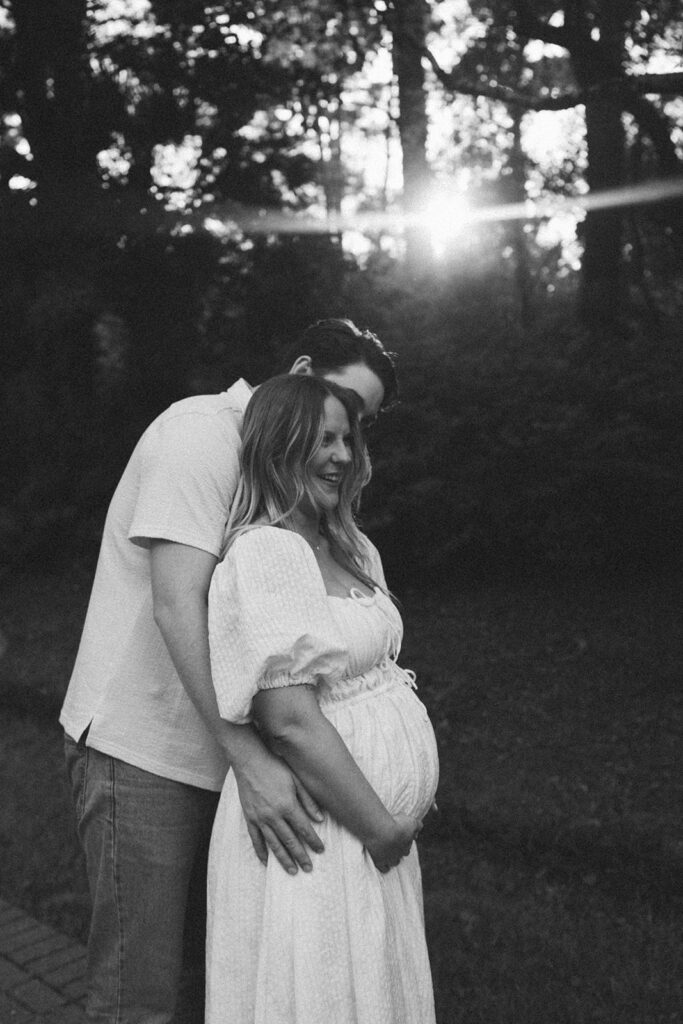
<point x="282" y="431"/>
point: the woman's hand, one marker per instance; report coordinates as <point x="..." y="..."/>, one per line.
<point x="388" y="851"/>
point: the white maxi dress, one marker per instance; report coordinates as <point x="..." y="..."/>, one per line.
<point x="343" y="944"/>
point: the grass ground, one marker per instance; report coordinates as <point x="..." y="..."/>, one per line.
<point x="553" y="867"/>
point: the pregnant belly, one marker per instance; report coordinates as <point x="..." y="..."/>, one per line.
<point x="393" y="743"/>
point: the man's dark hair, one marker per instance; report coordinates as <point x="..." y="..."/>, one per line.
<point x="335" y="343"/>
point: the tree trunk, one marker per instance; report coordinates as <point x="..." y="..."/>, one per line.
<point x="52" y="67"/>
<point x="409" y="29"/>
<point x="654" y="124"/>
<point x="603" y="288"/>
<point x="53" y="75"/>
<point x="522" y="274"/>
<point x="332" y="169"/>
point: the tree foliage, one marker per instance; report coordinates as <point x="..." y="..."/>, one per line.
<point x="602" y="46"/>
<point x="146" y="150"/>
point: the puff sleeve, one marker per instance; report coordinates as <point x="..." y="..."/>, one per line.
<point x="269" y="620"/>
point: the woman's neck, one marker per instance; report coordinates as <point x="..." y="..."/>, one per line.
<point x="308" y="526"/>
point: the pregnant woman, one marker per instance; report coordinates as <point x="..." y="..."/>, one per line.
<point x="304" y="639"/>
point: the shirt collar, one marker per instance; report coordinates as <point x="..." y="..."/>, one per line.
<point x="240" y="393"/>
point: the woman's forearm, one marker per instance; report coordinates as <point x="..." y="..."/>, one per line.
<point x="297" y="730"/>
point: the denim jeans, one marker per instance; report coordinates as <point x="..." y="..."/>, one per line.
<point x="146" y="841"/>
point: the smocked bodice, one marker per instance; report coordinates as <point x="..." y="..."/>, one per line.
<point x="272" y="624"/>
<point x="372" y="629"/>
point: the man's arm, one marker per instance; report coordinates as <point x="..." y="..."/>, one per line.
<point x="276" y="807"/>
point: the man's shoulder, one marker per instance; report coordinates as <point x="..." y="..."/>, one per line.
<point x="202" y="430"/>
<point x="199" y="415"/>
<point x="229" y="404"/>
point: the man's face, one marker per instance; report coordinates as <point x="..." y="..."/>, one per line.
<point x="367" y="385"/>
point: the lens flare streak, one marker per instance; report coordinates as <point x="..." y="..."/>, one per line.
<point x="259" y="221"/>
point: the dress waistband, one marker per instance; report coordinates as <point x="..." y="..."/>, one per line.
<point x="379" y="679"/>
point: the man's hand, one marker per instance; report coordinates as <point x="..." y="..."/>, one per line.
<point x="278" y="811"/>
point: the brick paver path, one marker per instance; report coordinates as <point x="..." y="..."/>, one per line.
<point x="41" y="972"/>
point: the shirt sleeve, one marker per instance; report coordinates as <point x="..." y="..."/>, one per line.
<point x="189" y="470"/>
<point x="270" y="623"/>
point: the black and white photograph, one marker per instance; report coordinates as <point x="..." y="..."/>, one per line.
<point x="341" y="504"/>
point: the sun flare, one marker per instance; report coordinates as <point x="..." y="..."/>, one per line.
<point x="444" y="218"/>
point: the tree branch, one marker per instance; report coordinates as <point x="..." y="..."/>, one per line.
<point x="452" y="81"/>
<point x="669" y="84"/>
<point x="614" y="87"/>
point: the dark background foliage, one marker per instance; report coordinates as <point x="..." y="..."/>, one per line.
<point x="549" y="448"/>
<point x="539" y="426"/>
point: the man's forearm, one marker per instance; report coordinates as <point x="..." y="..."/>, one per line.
<point x="183" y="625"/>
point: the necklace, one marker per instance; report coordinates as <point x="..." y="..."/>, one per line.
<point x="314" y="545"/>
<point x="308" y="530"/>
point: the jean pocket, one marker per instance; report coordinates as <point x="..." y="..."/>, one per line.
<point x="76" y="757"/>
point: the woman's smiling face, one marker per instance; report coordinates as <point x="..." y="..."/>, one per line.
<point x="332" y="459"/>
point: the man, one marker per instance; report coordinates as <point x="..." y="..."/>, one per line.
<point x="146" y="749"/>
